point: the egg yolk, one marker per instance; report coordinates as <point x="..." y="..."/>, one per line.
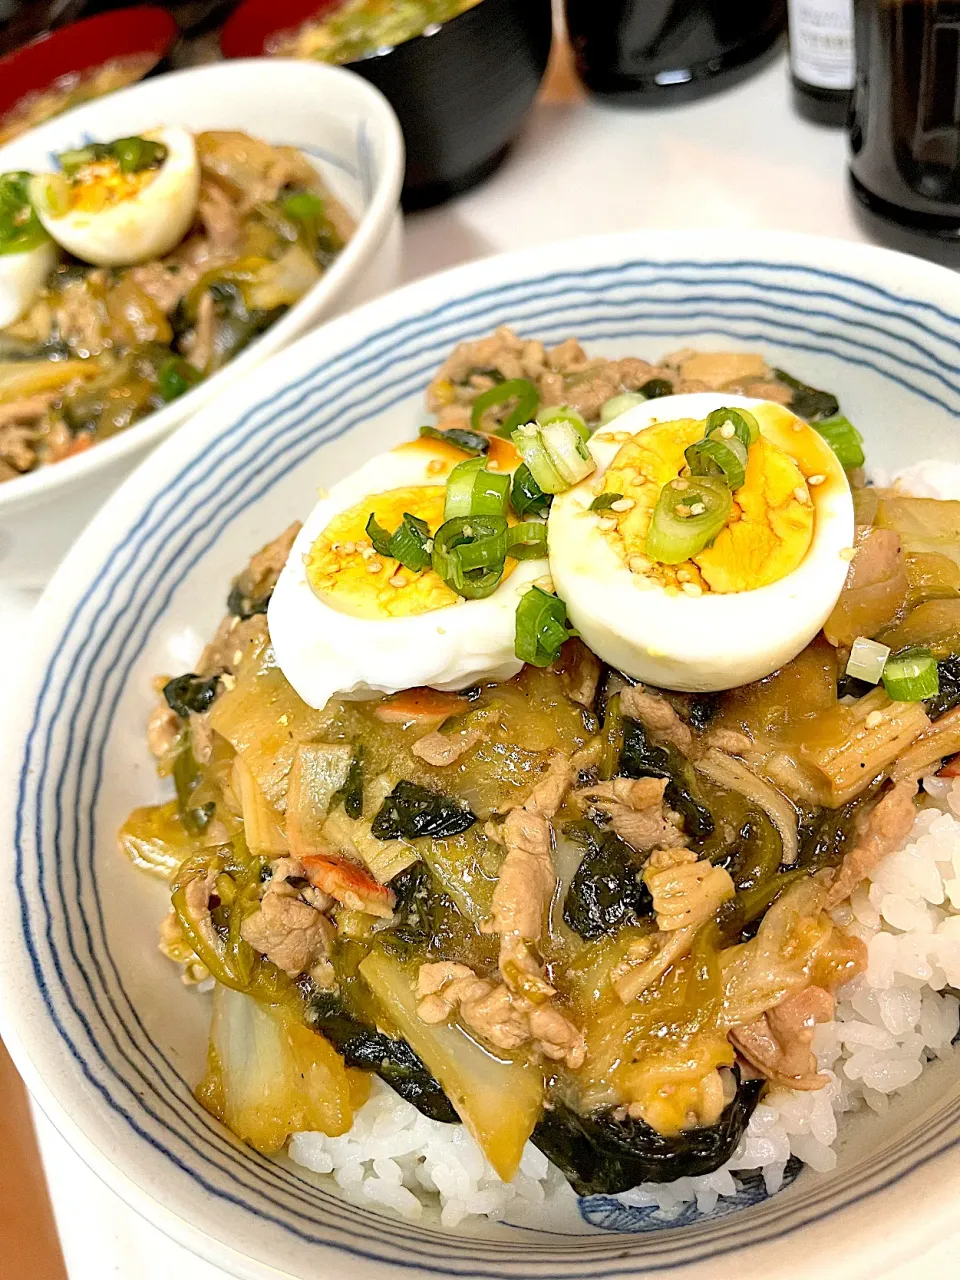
<point x="102" y="184"/>
<point x="346" y="572"/>
<point x="768" y="532"/>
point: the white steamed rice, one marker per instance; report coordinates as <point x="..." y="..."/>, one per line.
<point x="891" y="1022"/>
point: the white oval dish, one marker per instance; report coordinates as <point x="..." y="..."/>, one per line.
<point x="343" y="125"/>
<point x="96" y="1019"/>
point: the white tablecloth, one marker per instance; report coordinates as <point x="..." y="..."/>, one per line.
<point x="742" y="159"/>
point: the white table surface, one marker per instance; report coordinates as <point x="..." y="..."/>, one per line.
<point x="741" y="159"/>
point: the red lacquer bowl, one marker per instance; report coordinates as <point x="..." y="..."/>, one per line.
<point x="83" y="46"/>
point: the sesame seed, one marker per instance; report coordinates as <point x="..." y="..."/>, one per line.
<point x="605" y="438"/>
<point x="697" y="509"/>
<point x="493" y="465"/>
<point x="284" y="719"/>
<point x="692" y="589"/>
<point x="467" y="531"/>
<point x="349" y="548"/>
<point x="605" y="523"/>
<point x="621" y="437"/>
<point x="374" y="566"/>
<point x="801" y="494"/>
<point x="799" y="426"/>
<point x="727" y="430"/>
<point x="334" y="546"/>
<point x="873" y="720"/>
<point x="638" y="564"/>
<point x="435" y="466"/>
<point x="815" y="480"/>
<point x="683" y="510"/>
<point x="428" y="545"/>
<point x="545" y="584"/>
<point x="367" y="552"/>
<point x="237" y="657"/>
<point x="623" y="504"/>
<point x="398" y="580"/>
<point x="683" y="575"/>
<point x="848" y="553"/>
<point x="681" y="484"/>
<point x="228" y="681"/>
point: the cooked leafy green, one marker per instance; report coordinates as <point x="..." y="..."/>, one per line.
<point x="606" y="891"/>
<point x="601" y="1155"/>
<point x="948" y="695"/>
<point x="807" y="402"/>
<point x="757" y="854"/>
<point x="244" y="606"/>
<point x="469" y="441"/>
<point x="394" y="1061"/>
<point x="411" y="811"/>
<point x="827" y="834"/>
<point x="351" y="793"/>
<point x="640" y="758"/>
<point x="190" y="692"/>
<point x="702" y="709"/>
<point x="415" y="914"/>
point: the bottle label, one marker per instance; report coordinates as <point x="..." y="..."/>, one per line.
<point x="821" y="42"/>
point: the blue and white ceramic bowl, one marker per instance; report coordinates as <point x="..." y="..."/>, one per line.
<point x="97" y="1021"/>
<point x="343" y="125"/>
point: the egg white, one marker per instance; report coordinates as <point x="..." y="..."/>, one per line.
<point x="693" y="643"/>
<point x="323" y="651"/>
<point x="22" y="276"/>
<point x="148" y="224"/>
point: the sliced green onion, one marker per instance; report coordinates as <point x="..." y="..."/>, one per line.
<point x="568" y="451"/>
<point x="378" y="535"/>
<point x="460" y="438"/>
<point x="616" y="405"/>
<point x="529" y="443"/>
<point x="689" y="514"/>
<point x="604" y="501"/>
<point x="911" y="675"/>
<point x="472" y="490"/>
<point x="844" y="439"/>
<point x="716" y="456"/>
<point x="527" y="540"/>
<point x="407" y="543"/>
<point x="474" y="579"/>
<point x="867" y="659"/>
<point x="520" y="389"/>
<point x="526" y="496"/>
<point x="51" y="193"/>
<point x="132" y="155"/>
<point x="563" y="413"/>
<point x="305" y="206"/>
<point x="745" y="426"/>
<point x="20" y="228"/>
<point x="655" y="388"/>
<point x="542" y="628"/>
<point x="175" y="377"/>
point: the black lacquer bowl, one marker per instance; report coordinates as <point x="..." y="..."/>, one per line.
<point x="461" y="91"/>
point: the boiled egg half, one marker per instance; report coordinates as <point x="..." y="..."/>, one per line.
<point x="27" y="255"/>
<point x="345" y="619"/>
<point x="744" y="604"/>
<point x="124" y="202"/>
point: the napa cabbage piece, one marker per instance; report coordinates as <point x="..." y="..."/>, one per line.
<point x="155" y="839"/>
<point x="320" y="770"/>
<point x="21" y="379"/>
<point x="935" y="624"/>
<point x="875" y="590"/>
<point x="270" y="1076"/>
<point x="498" y="1099"/>
<point x="262" y="825"/>
<point x="265" y="721"/>
<point x="924" y="524"/>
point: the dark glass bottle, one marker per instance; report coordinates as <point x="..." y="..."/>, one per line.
<point x="905" y="124"/>
<point x="822" y="59"/>
<point x="655" y="51"/>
